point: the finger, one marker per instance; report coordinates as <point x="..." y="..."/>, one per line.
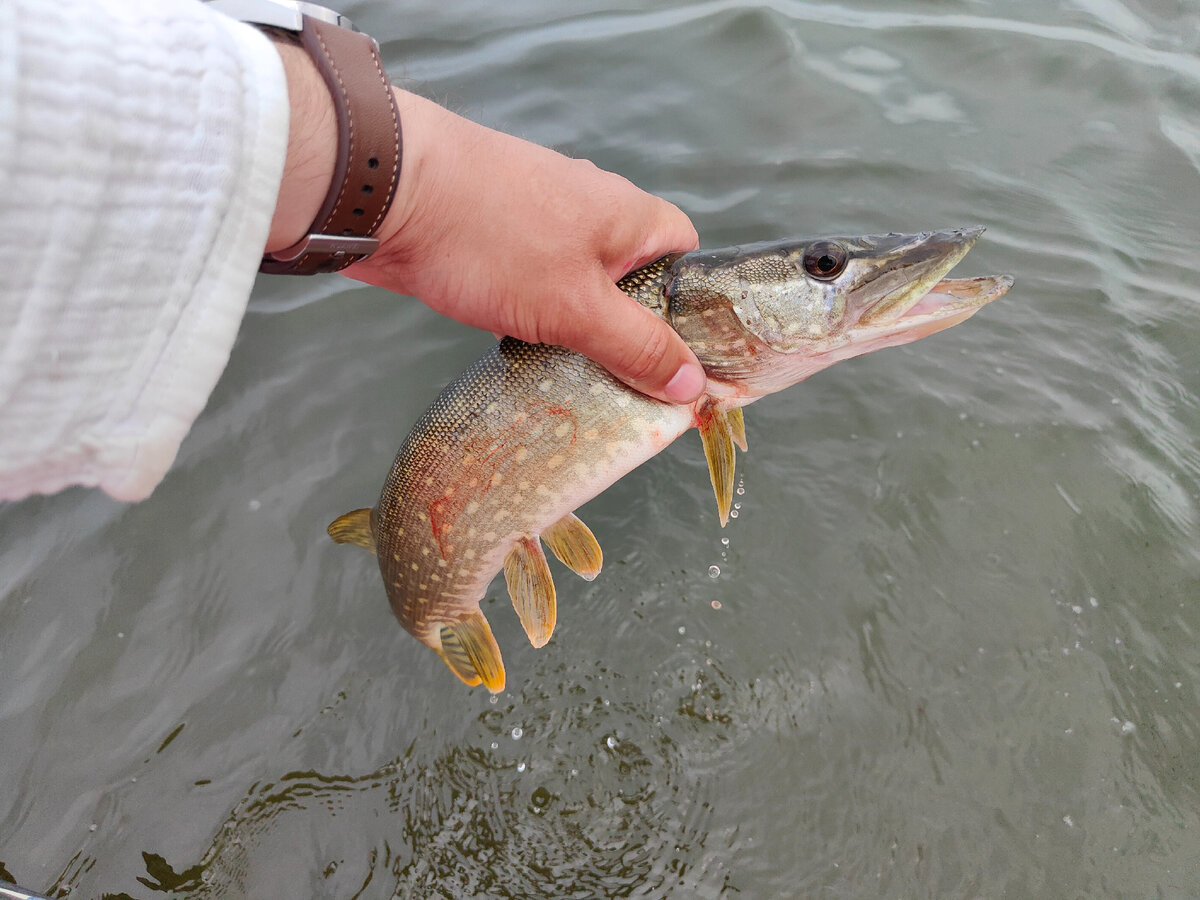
<point x="636" y="346"/>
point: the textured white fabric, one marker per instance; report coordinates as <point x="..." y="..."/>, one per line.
<point x="141" y="149"/>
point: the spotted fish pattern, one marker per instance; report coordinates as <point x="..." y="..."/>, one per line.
<point x="494" y="469"/>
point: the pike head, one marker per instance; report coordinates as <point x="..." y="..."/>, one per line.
<point x="761" y="317"/>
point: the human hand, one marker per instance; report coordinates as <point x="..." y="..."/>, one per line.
<point x="504" y="235"/>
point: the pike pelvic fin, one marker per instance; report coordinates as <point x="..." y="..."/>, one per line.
<point x="575" y="546"/>
<point x="531" y="589"/>
<point x="737" y="427"/>
<point x="471" y="636"/>
<point x="353" y="528"/>
<point x="717" y="433"/>
<point x="454" y="655"/>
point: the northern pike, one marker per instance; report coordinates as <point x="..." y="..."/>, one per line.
<point x="509" y="449"/>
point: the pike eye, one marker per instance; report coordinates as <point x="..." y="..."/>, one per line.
<point x="825" y="260"/>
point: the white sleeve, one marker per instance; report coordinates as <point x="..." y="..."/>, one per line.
<point x="141" y="149"/>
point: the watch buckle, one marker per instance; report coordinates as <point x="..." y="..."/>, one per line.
<point x="340" y="250"/>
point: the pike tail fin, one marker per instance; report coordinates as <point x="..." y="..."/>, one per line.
<point x="531" y="588"/>
<point x="575" y="546"/>
<point x="469" y="642"/>
<point x="353" y="528"/>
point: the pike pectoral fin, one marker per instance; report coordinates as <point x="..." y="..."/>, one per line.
<point x="531" y="589"/>
<point x="737" y="428"/>
<point x="353" y="528"/>
<point x="575" y="546"/>
<point x="717" y="435"/>
<point x="471" y="636"/>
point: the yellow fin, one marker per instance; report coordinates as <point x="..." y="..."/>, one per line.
<point x="575" y="546"/>
<point x="455" y="657"/>
<point x="353" y="528"/>
<point x="474" y="639"/>
<point x="531" y="589"/>
<point x="737" y="426"/>
<point x="717" y="435"/>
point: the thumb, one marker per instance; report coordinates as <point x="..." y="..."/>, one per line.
<point x="638" y="347"/>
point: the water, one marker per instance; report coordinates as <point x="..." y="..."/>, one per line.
<point x="952" y="648"/>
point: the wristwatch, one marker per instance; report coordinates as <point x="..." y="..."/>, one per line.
<point x="369" y="146"/>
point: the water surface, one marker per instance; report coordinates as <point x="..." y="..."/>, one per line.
<point x="952" y="648"/>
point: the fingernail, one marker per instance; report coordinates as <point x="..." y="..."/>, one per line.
<point x="686" y="384"/>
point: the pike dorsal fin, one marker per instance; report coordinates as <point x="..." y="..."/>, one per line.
<point x="575" y="546"/>
<point x="474" y="638"/>
<point x="531" y="589"/>
<point x="717" y="434"/>
<point x="737" y="428"/>
<point x="353" y="528"/>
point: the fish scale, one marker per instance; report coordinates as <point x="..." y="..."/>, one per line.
<point x="530" y="432"/>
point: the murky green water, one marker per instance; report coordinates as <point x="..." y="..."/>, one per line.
<point x="952" y="649"/>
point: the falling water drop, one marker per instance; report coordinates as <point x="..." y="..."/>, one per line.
<point x="517" y="732"/>
<point x="714" y="571"/>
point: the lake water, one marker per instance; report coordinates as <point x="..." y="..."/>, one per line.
<point x="952" y="648"/>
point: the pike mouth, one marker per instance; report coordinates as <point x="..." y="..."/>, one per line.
<point x="952" y="295"/>
<point x="923" y="295"/>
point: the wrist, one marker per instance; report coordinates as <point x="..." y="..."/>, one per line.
<point x="312" y="148"/>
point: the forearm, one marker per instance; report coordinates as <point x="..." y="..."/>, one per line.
<point x="136" y="197"/>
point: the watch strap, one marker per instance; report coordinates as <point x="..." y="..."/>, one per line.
<point x="368" y="156"/>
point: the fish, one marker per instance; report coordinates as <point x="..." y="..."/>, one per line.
<point x="497" y="465"/>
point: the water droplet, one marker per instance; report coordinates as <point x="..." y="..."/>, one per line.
<point x="741" y="490"/>
<point x="495" y="745"/>
<point x="521" y="767"/>
<point x="517" y="732"/>
<point x="611" y="742"/>
<point x="682" y="630"/>
<point x="255" y="505"/>
<point x="725" y="542"/>
<point x="716" y="604"/>
<point x="494" y="699"/>
<point x="733" y="514"/>
<point x="737" y="506"/>
<point x="540" y="797"/>
<point x="713" y="572"/>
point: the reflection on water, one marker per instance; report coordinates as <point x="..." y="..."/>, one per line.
<point x="952" y="647"/>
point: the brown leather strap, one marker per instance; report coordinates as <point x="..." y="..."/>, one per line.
<point x="368" y="157"/>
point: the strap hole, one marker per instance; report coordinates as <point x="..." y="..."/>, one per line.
<point x="346" y="232"/>
<point x="373" y="163"/>
<point x="366" y="189"/>
<point x="359" y="212"/>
